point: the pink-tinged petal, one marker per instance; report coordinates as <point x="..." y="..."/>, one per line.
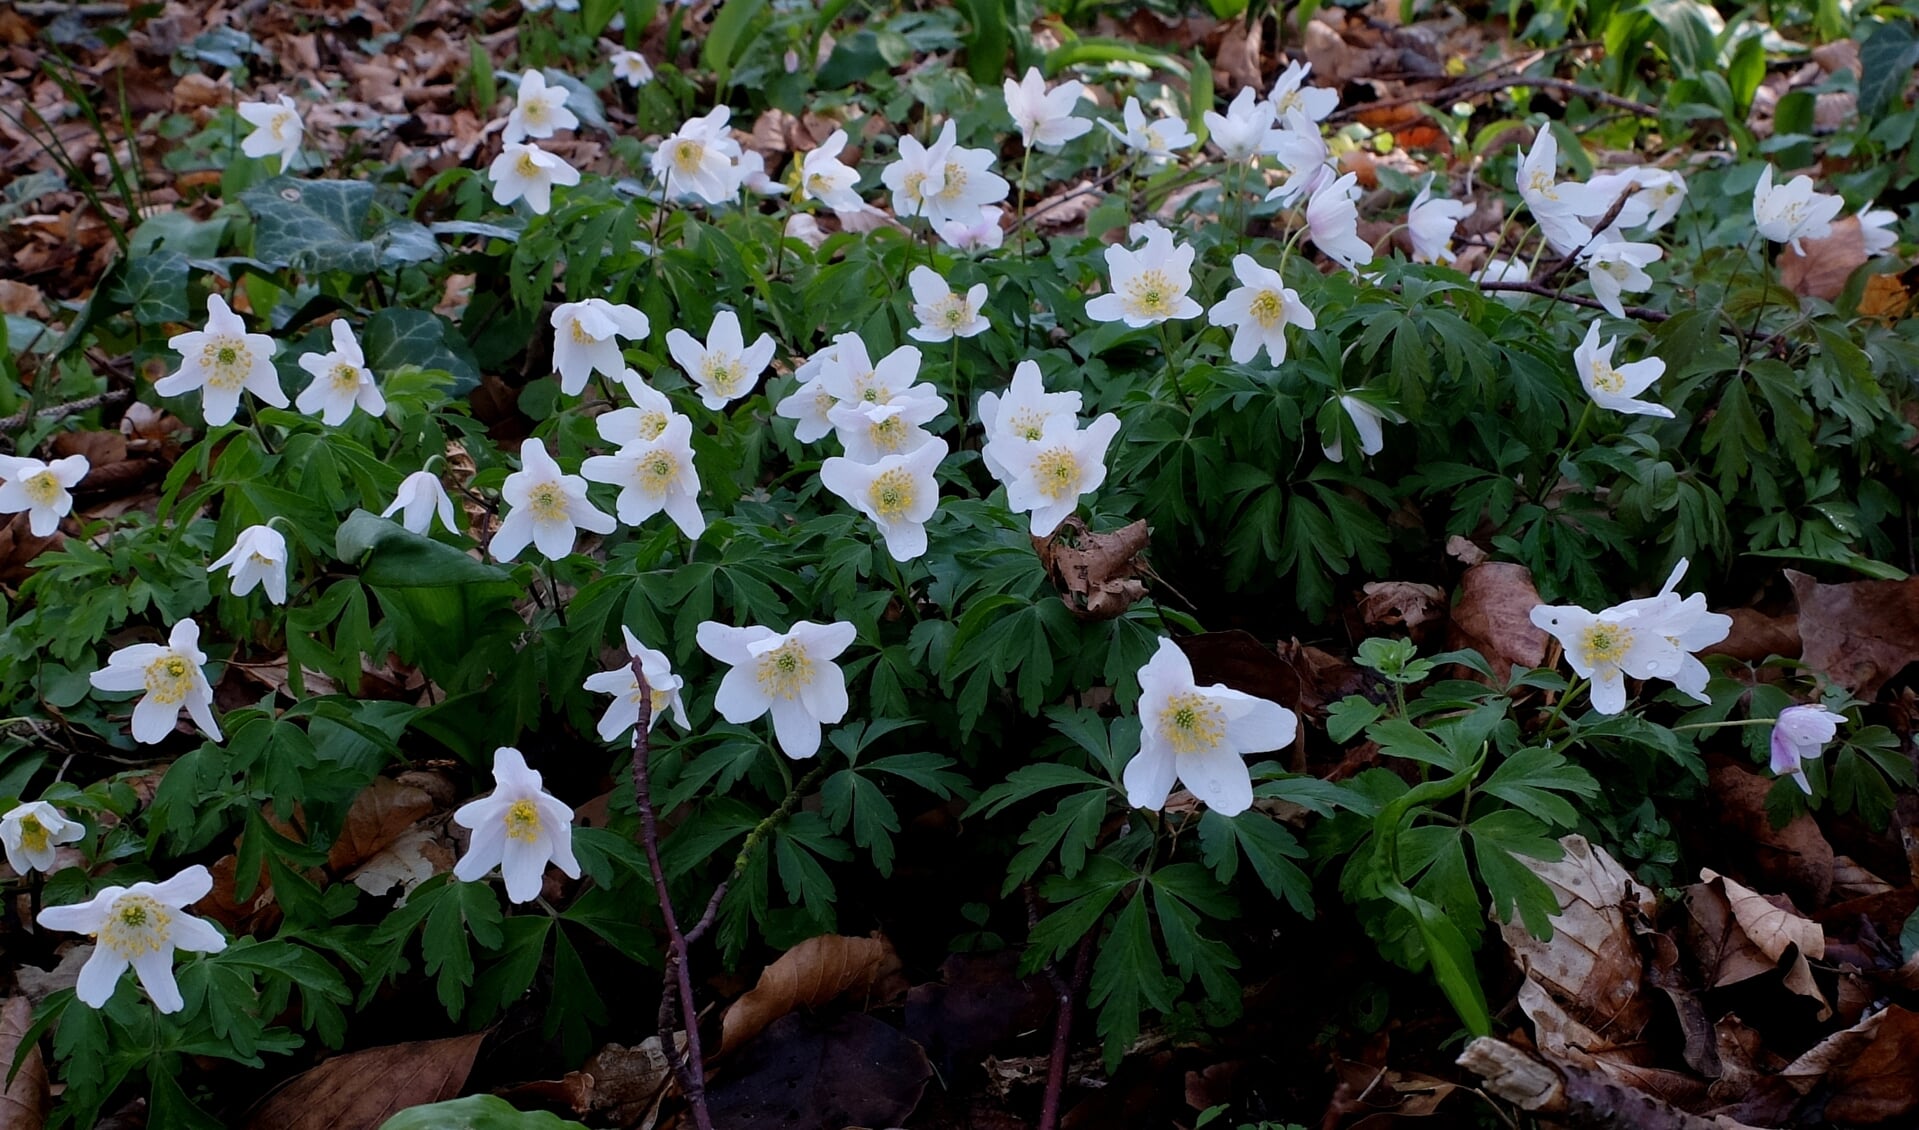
<point x="797" y="731"/>
<point x="99" y="977"/>
<point x="1220" y="778"/>
<point x="1149" y="778"/>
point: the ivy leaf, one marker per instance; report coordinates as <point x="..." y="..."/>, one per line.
<point x="394" y="338"/>
<point x="154" y="287"/>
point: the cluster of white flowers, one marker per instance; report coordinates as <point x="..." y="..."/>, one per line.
<point x="1651" y="638"/>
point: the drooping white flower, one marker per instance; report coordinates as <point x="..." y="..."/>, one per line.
<point x="1158" y="140"/>
<point x="791" y="675"/>
<point x="653" y="475"/>
<point x="539" y="110"/>
<point x="631" y="68"/>
<point x="341" y="381"/>
<point x="1608" y="646"/>
<point x="549" y="508"/>
<point x="1045" y="117"/>
<point x="1618" y="267"/>
<point x="586" y="340"/>
<point x="753" y="178"/>
<point x="519" y="828"/>
<point x="1301" y="148"/>
<point x="172" y="678"/>
<point x="1368" y="422"/>
<point x="944" y="313"/>
<point x="944" y="181"/>
<point x="663" y="689"/>
<point x="809" y="403"/>
<point x="1240" y="133"/>
<point x="523" y="169"/>
<point x="277" y="128"/>
<point x="1655" y="201"/>
<point x="141" y="926"/>
<point x="982" y="234"/>
<point x="1332" y="223"/>
<point x="420" y="497"/>
<point x="1430" y="223"/>
<point x="32" y="831"/>
<point x="1150" y="285"/>
<point x="1047" y="476"/>
<point x="43" y="490"/>
<point x="827" y="179"/>
<point x="258" y="557"/>
<point x="1258" y="311"/>
<point x="1556" y="205"/>
<point x="1800" y="734"/>
<point x="1021" y="414"/>
<point x="1793" y="211"/>
<point x="1291" y="93"/>
<point x="1616" y="387"/>
<point x="221" y="360"/>
<point x="1875" y="229"/>
<point x="1199" y="736"/>
<point x="898" y="492"/>
<point x="1505" y="271"/>
<point x="870" y="432"/>
<point x="725" y="368"/>
<point x="1687" y="625"/>
<point x="698" y="159"/>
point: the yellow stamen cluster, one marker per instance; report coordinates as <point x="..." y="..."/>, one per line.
<point x="652" y="425"/>
<point x="522" y="821"/>
<point x="892" y="493"/>
<point x="785" y="671"/>
<point x="888" y="434"/>
<point x="1191" y="723"/>
<point x="1150" y="294"/>
<point x="548" y="502"/>
<point x="1056" y="472"/>
<point x="722" y="373"/>
<point x="136" y="925"/>
<point x="41" y="488"/>
<point x="1604" y="645"/>
<point x="658" y="471"/>
<point x="1606" y="378"/>
<point x="688" y="156"/>
<point x="33" y="834"/>
<point x="344" y="377"/>
<point x="1268" y="308"/>
<point x="169" y="678"/>
<point x="526" y="166"/>
<point x="226" y="361"/>
<point x="1027" y="424"/>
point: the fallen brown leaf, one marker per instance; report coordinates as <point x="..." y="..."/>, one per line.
<point x="1738" y="934"/>
<point x="1098" y="575"/>
<point x="382" y="812"/>
<point x="800" y="1075"/>
<point x="1822" y="271"/>
<point x="23" y="1103"/>
<point x="1861" y="633"/>
<point x="1407" y="604"/>
<point x="628" y="1082"/>
<point x="1867" y="1071"/>
<point x="812" y="973"/>
<point x="1796" y="858"/>
<point x="1755" y="636"/>
<point x="361" y="1090"/>
<point x="1493" y="613"/>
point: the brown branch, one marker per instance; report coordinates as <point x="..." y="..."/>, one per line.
<point x="1477" y="87"/>
<point x="1645" y="313"/>
<point x="690" y="1071"/>
<point x="19" y="418"/>
<point x="1064" y="991"/>
<point x="1572" y="1095"/>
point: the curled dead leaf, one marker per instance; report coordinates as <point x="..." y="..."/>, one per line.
<point x="1098" y="575"/>
<point x="816" y="971"/>
<point x="361" y="1090"/>
<point x="24" y="1101"/>
<point x="1861" y="633"/>
<point x="1407" y="604"/>
<point x="1867" y="1071"/>
<point x="382" y="812"/>
<point x="1493" y="613"/>
<point x="1822" y="270"/>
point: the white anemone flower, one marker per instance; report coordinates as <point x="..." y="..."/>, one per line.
<point x="1258" y="311"/>
<point x="277" y="129"/>
<point x="1020" y="414"/>
<point x="982" y="234"/>
<point x="1368" y="423"/>
<point x="1047" y="476"/>
<point x="1619" y="267"/>
<point x="1616" y="387"/>
<point x="586" y="340"/>
<point x="870" y="432"/>
<point x="827" y="179"/>
<point x="725" y="368"/>
<point x="519" y="827"/>
<point x="916" y="173"/>
<point x="1500" y="271"/>
<point x="422" y="496"/>
<point x="644" y="422"/>
<point x="1800" y="734"/>
<point x="549" y="508"/>
<point x="1658" y="195"/>
<point x="1687" y="624"/>
<point x="220" y="360"/>
<point x="341" y="381"/>
<point x="141" y="926"/>
<point x="654" y="475"/>
<point x="943" y="312"/>
<point x="31" y="833"/>
<point x="539" y="110"/>
<point x="809" y="403"/>
<point x="1332" y="223"/>
<point x="1556" y="205"/>
<point x="898" y="492"/>
<point x="1157" y="140"/>
<point x="524" y="170"/>
<point x="1150" y="285"/>
<point x="42" y="490"/>
<point x="631" y="68"/>
<point x="1301" y="148"/>
<point x="753" y="178"/>
<point x="171" y="675"/>
<point x="1430" y="222"/>
<point x="1045" y="117"/>
<point x="1792" y="212"/>
<point x="699" y="159"/>
<point x="1240" y="133"/>
<point x="1291" y="93"/>
<point x="1875" y="229"/>
<point x="663" y="689"/>
<point x="790" y="675"/>
<point x="1199" y="736"/>
<point x="1608" y="646"/>
<point x="258" y="557"/>
<point x="852" y="377"/>
<point x="944" y="181"/>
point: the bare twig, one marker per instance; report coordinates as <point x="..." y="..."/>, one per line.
<point x="18" y="419"/>
<point x="691" y="1071"/>
<point x="1477" y="87"/>
<point x="1064" y="992"/>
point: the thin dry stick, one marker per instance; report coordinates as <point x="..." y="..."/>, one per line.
<point x="19" y="418"/>
<point x="1064" y="992"/>
<point x="690" y="1071"/>
<point x="1491" y="85"/>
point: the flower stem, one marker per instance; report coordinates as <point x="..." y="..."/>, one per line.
<point x="1727" y="722"/>
<point x="1559" y="709"/>
<point x="1172" y="374"/>
<point x="1551" y="474"/>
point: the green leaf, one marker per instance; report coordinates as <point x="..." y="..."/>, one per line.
<point x="1529" y="778"/>
<point x="1269" y="846"/>
<point x="1127" y="978"/>
<point x="1397" y="737"/>
<point x="1885" y="65"/>
<point x="1086" y="897"/>
<point x="321" y="225"/>
<point x="1497" y="838"/>
<point x="476" y="1112"/>
<point x="154" y="287"/>
<point x="1350" y="715"/>
<point x="727" y="38"/>
<point x="392" y="556"/>
<point x="395" y="337"/>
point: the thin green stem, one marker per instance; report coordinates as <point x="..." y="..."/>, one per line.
<point x="1172" y="371"/>
<point x="1572" y="692"/>
<point x="1551" y="474"/>
<point x="1723" y="724"/>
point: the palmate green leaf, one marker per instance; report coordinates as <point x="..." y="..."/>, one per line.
<point x="1530" y="778"/>
<point x="476" y="1112"/>
<point x="1128" y="977"/>
<point x="1028" y="781"/>
<point x="1086" y="895"/>
<point x="1498" y="837"/>
<point x="847" y="796"/>
<point x="465" y="913"/>
<point x="1397" y="737"/>
<point x="1269" y="847"/>
<point x="1072" y="828"/>
<point x="1196" y="955"/>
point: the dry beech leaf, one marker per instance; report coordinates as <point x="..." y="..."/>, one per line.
<point x="1795" y="858"/>
<point x="23" y="1103"/>
<point x="1755" y="636"/>
<point x="1493" y="614"/>
<point x="627" y="1082"/>
<point x="1861" y="633"/>
<point x="1407" y="604"/>
<point x="382" y="812"/>
<point x="1828" y="261"/>
<point x="1098" y="574"/>
<point x="1866" y="1072"/>
<point x="812" y="973"/>
<point x="363" y="1089"/>
<point x="1740" y="934"/>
